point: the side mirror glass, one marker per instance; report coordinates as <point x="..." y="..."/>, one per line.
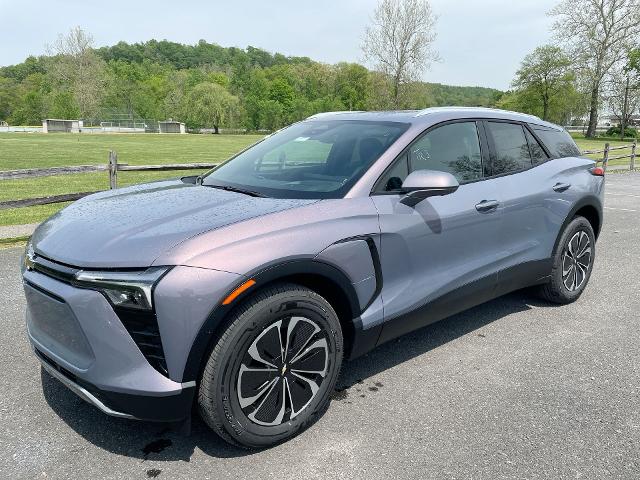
<point x="421" y="184"/>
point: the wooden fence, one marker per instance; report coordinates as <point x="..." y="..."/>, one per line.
<point x="606" y="154"/>
<point x="112" y="168"/>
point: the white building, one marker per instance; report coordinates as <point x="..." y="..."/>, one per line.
<point x="170" y="126"/>
<point x="61" y="125"/>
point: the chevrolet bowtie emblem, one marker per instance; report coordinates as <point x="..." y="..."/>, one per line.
<point x="29" y="259"/>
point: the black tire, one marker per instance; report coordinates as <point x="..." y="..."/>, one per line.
<point x="559" y="288"/>
<point x="289" y="312"/>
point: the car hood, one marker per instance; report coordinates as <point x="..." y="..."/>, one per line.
<point x="131" y="227"/>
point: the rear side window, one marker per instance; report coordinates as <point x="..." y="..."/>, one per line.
<point x="511" y="148"/>
<point x="558" y="142"/>
<point x="538" y="155"/>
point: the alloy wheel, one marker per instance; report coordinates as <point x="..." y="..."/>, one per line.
<point x="282" y="371"/>
<point x="576" y="261"/>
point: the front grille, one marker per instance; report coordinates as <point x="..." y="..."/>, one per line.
<point x="143" y="328"/>
<point x="141" y="325"/>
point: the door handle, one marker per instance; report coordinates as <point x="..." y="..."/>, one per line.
<point x="487" y="205"/>
<point x="561" y="187"/>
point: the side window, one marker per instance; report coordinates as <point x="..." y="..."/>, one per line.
<point x="537" y="152"/>
<point x="395" y="176"/>
<point x="558" y="142"/>
<point x="453" y="148"/>
<point x="511" y="148"/>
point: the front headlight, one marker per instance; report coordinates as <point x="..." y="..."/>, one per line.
<point x="123" y="289"/>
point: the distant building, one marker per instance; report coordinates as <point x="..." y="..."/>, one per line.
<point x="61" y="125"/>
<point x="170" y="126"/>
<point x="634" y="120"/>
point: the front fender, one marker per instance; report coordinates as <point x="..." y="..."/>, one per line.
<point x="201" y="343"/>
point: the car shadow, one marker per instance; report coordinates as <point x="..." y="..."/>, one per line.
<point x="411" y="345"/>
<point x="159" y="442"/>
<point x="133" y="438"/>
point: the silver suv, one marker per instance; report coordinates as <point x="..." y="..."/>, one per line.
<point x="245" y="288"/>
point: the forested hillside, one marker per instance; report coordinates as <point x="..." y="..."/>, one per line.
<point x="204" y="85"/>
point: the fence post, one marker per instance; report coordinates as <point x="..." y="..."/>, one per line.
<point x="605" y="157"/>
<point x="113" y="169"/>
<point x="632" y="165"/>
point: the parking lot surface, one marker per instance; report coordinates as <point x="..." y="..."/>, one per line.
<point x="514" y="388"/>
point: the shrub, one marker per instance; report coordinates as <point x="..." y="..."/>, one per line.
<point x="628" y="132"/>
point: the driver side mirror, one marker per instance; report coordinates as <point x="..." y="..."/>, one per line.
<point x="421" y="184"/>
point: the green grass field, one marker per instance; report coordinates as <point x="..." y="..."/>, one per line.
<point x="598" y="144"/>
<point x="24" y="150"/>
<point x="34" y="150"/>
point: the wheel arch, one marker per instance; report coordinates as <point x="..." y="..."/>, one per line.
<point x="589" y="207"/>
<point x="592" y="214"/>
<point x="325" y="279"/>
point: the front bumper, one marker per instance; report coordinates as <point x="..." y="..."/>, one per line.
<point x="122" y="405"/>
<point x="80" y="340"/>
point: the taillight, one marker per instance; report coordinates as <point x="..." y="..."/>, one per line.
<point x="597" y="171"/>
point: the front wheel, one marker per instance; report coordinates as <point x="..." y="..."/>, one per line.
<point x="273" y="368"/>
<point x="572" y="263"/>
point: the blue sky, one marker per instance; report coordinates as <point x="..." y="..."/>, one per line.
<point x="480" y="42"/>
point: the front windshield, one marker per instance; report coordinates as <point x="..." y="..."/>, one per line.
<point x="311" y="159"/>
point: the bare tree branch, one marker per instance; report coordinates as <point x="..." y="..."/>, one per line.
<point x="76" y="67"/>
<point x="400" y="40"/>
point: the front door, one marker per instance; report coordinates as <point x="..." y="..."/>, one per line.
<point x="444" y="253"/>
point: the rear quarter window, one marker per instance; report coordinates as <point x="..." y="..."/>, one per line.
<point x="558" y="142"/>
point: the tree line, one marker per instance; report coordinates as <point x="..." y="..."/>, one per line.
<point x="593" y="65"/>
<point x="203" y="85"/>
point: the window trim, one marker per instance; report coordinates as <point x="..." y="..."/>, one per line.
<point x="482" y="140"/>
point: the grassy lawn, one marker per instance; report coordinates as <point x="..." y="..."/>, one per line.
<point x="36" y="150"/>
<point x="22" y="216"/>
<point x="598" y="144"/>
<point x="23" y="150"/>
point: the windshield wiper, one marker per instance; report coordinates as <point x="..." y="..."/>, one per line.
<point x="228" y="188"/>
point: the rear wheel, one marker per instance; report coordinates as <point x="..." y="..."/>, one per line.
<point x="572" y="263"/>
<point x="271" y="371"/>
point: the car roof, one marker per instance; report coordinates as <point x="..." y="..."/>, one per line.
<point x="430" y="116"/>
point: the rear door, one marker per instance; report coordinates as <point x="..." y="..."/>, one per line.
<point x="444" y="252"/>
<point x="536" y="198"/>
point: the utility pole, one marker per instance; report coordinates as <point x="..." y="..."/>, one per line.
<point x="625" y="106"/>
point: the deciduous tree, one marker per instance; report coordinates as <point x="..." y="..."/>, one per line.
<point x="210" y="105"/>
<point x="76" y="66"/>
<point x="546" y="74"/>
<point x="598" y="35"/>
<point x="399" y="41"/>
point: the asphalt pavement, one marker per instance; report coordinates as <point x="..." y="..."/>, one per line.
<point x="514" y="388"/>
